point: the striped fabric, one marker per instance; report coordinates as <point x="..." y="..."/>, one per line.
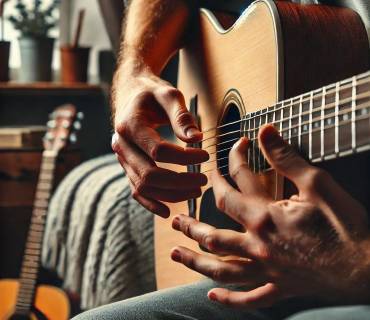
<point x="98" y="239"/>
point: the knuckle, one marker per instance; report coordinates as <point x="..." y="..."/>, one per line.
<point x="218" y="274"/>
<point x="187" y="229"/>
<point x="172" y="93"/>
<point x="221" y="202"/>
<point x="234" y="172"/>
<point x="182" y="117"/>
<point x="123" y="129"/>
<point x="155" y="150"/>
<point x="143" y="182"/>
<point x="211" y="241"/>
<point x="189" y="261"/>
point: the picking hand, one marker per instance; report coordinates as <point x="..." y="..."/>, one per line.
<point x="143" y="104"/>
<point x="310" y="244"/>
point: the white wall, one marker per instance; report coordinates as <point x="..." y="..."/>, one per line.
<point x="93" y="33"/>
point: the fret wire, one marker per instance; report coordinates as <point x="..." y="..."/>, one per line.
<point x="259" y="150"/>
<point x="337" y="88"/>
<point x="265" y="164"/>
<point x="328" y="106"/>
<point x="322" y="131"/>
<point x="254" y="147"/>
<point x="362" y="78"/>
<point x="294" y="136"/>
<point x="353" y="123"/>
<point x="359" y="107"/>
<point x="300" y="123"/>
<point x="290" y="121"/>
<point x="249" y="150"/>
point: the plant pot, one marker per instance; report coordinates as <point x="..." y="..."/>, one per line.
<point x="75" y="63"/>
<point x="36" y="58"/>
<point x="4" y="60"/>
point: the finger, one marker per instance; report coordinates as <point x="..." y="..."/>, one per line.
<point x="282" y="157"/>
<point x="261" y="297"/>
<point x="170" y="195"/>
<point x="148" y="140"/>
<point x="143" y="171"/>
<point x="248" y="211"/>
<point x="221" y="242"/>
<point x="152" y="205"/>
<point x="181" y="119"/>
<point x="232" y="271"/>
<point x="246" y="180"/>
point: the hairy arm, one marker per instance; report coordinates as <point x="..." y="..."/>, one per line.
<point x="142" y="101"/>
<point x="153" y="32"/>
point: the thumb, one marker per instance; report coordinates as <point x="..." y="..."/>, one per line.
<point x="281" y="156"/>
<point x="182" y="121"/>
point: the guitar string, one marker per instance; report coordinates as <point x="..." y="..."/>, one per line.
<point x="342" y="112"/>
<point x="302" y="114"/>
<point x="360" y="107"/>
<point x="253" y="140"/>
<point x="290" y="102"/>
<point x="284" y="105"/>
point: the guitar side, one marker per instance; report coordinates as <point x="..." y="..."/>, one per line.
<point x="52" y="302"/>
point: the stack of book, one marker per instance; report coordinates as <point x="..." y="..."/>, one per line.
<point x="27" y="137"/>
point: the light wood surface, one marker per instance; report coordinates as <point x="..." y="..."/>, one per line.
<point x="246" y="58"/>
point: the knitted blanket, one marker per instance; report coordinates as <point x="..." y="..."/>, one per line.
<point x="97" y="238"/>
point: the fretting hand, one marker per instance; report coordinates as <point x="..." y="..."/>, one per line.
<point x="311" y="244"/>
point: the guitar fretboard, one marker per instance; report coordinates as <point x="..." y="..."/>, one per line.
<point x="32" y="254"/>
<point x="324" y="124"/>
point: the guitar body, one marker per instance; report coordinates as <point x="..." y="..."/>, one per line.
<point x="271" y="52"/>
<point x="50" y="302"/>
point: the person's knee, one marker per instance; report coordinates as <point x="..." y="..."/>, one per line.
<point x="334" y="313"/>
<point x="131" y="309"/>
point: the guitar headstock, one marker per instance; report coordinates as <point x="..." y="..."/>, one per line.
<point x="63" y="123"/>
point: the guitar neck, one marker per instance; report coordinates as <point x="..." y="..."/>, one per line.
<point x="32" y="254"/>
<point x="327" y="123"/>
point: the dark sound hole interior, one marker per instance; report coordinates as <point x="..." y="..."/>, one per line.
<point x="228" y="135"/>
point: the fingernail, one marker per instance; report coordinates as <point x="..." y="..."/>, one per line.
<point x="212" y="296"/>
<point x="176" y="223"/>
<point x="176" y="255"/>
<point x="192" y="132"/>
<point x="114" y="141"/>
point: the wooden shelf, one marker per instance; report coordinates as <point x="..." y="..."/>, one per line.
<point x="12" y="85"/>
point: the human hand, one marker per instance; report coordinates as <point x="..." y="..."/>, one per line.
<point x="309" y="245"/>
<point x="144" y="102"/>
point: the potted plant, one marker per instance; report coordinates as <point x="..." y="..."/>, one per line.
<point x="34" y="23"/>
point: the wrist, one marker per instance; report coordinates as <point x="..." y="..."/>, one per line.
<point x="134" y="62"/>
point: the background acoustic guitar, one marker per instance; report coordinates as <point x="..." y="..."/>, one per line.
<point x="234" y="73"/>
<point x="23" y="298"/>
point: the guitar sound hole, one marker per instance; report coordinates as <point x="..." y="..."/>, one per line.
<point x="229" y="133"/>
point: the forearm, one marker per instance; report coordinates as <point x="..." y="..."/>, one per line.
<point x="153" y="32"/>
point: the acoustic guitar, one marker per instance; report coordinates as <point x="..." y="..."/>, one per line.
<point x="279" y="63"/>
<point x="23" y="298"/>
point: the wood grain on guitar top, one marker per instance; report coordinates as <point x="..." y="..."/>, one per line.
<point x="273" y="51"/>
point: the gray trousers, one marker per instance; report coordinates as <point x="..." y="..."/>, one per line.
<point x="191" y="303"/>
